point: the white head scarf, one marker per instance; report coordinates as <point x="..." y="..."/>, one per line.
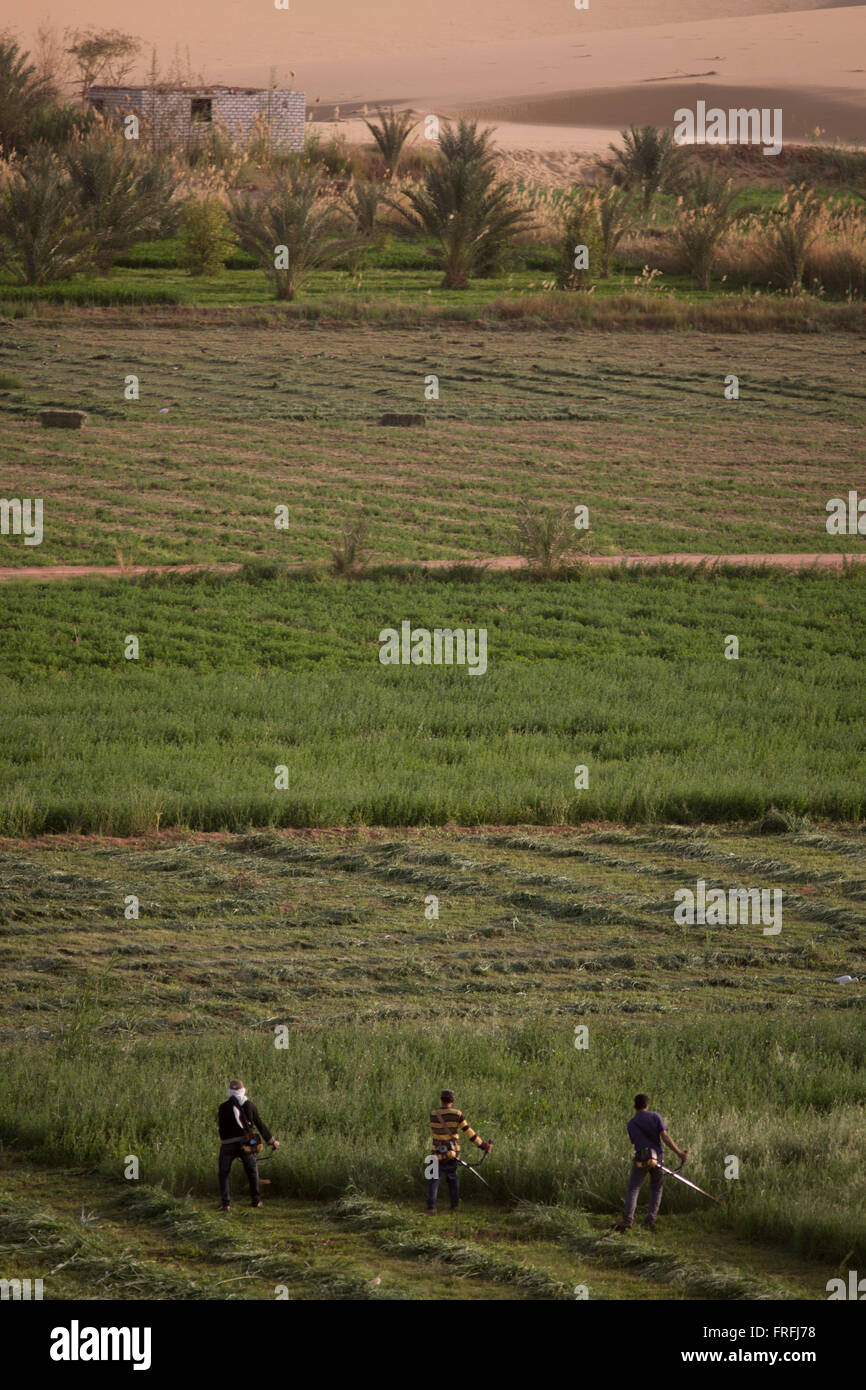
<point x="238" y="1095"/>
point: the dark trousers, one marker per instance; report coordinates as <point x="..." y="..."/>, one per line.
<point x="451" y="1173"/>
<point x="228" y="1154"/>
<point x="635" y="1182"/>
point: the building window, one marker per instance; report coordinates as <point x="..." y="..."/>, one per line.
<point x="202" y="109"/>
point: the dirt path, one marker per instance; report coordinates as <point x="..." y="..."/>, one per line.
<point x="788" y="561"/>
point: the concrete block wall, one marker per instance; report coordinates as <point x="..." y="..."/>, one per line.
<point x="169" y="115"/>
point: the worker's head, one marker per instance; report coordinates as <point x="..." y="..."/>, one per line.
<point x="446" y="1097"/>
<point x="641" y="1102"/>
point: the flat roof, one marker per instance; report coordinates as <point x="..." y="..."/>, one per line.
<point x="192" y="91"/>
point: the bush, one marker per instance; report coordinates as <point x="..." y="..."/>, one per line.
<point x="544" y="538"/>
<point x="350" y="552"/>
<point x="615" y="213"/>
<point x="580" y="241"/>
<point x="704" y="219"/>
<point x="204" y="237"/>
<point x="836" y="261"/>
<point x="789" y="233"/>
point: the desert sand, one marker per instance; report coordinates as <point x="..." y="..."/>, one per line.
<point x="549" y="76"/>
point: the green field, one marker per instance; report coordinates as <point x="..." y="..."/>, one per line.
<point x="622" y="673"/>
<point x="304" y="907"/>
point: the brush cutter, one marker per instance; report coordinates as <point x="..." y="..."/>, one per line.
<point x="650" y="1161"/>
<point x="473" y="1167"/>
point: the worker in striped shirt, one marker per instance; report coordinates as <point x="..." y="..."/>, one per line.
<point x="446" y="1124"/>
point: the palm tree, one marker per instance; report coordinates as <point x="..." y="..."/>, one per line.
<point x="391" y="135"/>
<point x="466" y="142"/>
<point x="126" y="195"/>
<point x="43" y="230"/>
<point x="468" y="212"/>
<point x="463" y="205"/>
<point x="23" y="96"/>
<point x="292" y="230"/>
<point x="650" y="160"/>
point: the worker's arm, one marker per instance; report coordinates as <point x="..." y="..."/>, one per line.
<point x="262" y="1127"/>
<point x="681" y="1153"/>
<point x="476" y="1138"/>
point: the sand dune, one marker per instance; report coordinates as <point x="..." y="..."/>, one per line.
<point x="537" y="68"/>
<point x="341" y="49"/>
<point x="573" y="119"/>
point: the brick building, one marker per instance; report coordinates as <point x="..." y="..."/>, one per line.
<point x="186" y="114"/>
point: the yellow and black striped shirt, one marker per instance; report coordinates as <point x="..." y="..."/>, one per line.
<point x="445" y="1125"/>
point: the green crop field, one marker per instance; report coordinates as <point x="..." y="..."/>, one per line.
<point x="430" y="898"/>
<point x="623" y="673"/>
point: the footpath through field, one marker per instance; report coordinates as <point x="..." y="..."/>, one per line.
<point x="787" y="561"/>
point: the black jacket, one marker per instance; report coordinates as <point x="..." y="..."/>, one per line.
<point x="229" y="1127"/>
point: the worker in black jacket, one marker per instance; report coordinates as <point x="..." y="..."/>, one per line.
<point x="238" y="1121"/>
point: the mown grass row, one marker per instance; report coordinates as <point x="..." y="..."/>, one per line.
<point x="699" y="1280"/>
<point x="335" y="927"/>
<point x="395" y="1234"/>
<point x="49" y="1244"/>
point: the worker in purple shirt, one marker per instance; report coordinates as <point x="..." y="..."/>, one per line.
<point x="648" y="1132"/>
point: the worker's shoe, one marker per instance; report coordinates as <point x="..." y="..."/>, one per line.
<point x="430" y="1211"/>
<point x="226" y="1207"/>
<point x="259" y="1203"/>
<point x="622" y="1226"/>
<point x="650" y="1223"/>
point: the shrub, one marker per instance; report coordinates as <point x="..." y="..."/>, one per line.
<point x="580" y="241"/>
<point x="350" y="551"/>
<point x="204" y="237"/>
<point x="836" y="261"/>
<point x="615" y="213"/>
<point x="544" y="538"/>
<point x="790" y="231"/>
<point x="362" y="199"/>
<point x="704" y="219"/>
